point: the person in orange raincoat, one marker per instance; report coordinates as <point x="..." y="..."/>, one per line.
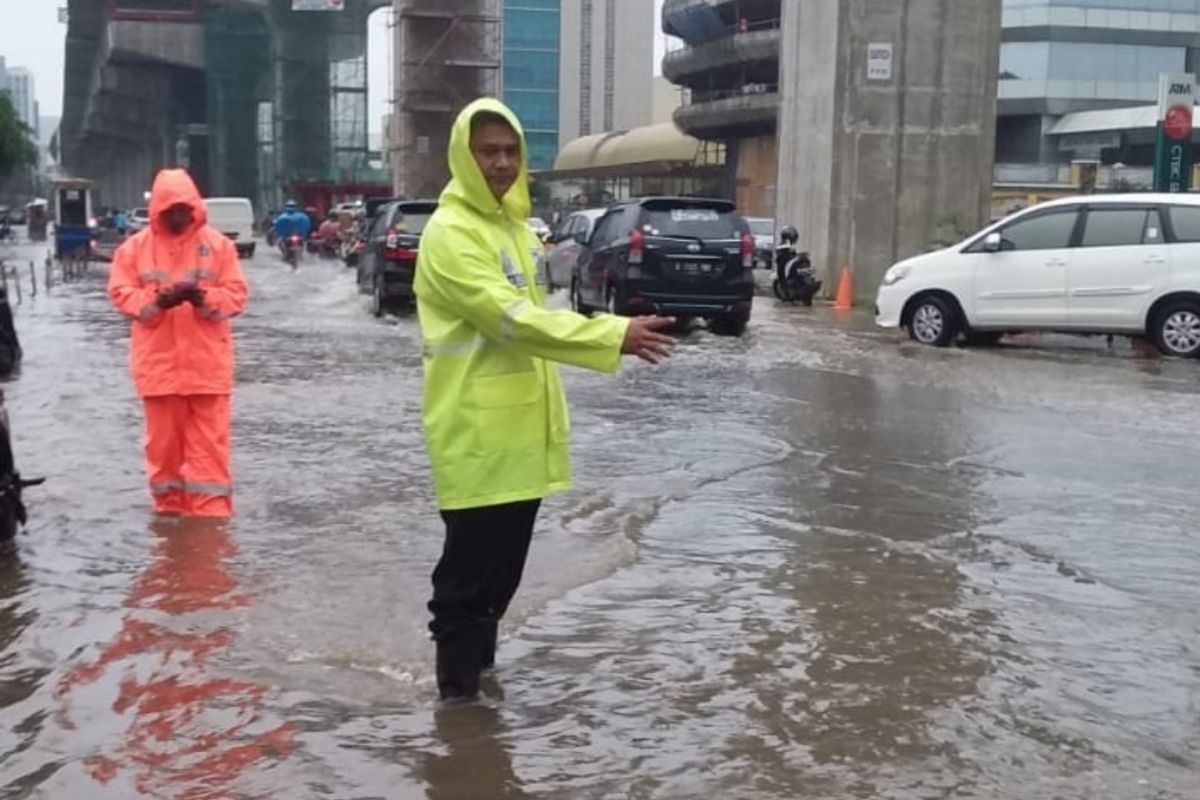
<point x="180" y="282"/>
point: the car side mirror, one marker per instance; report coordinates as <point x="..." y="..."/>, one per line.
<point x="993" y="243"/>
<point x="580" y="238"/>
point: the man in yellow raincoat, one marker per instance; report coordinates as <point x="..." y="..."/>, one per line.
<point x="495" y="414"/>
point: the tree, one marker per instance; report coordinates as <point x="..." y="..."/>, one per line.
<point x="17" y="149"/>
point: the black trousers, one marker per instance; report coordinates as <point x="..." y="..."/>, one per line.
<point x="473" y="584"/>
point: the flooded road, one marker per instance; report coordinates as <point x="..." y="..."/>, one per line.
<point x="811" y="563"/>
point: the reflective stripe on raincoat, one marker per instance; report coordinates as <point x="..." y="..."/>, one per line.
<point x="495" y="414"/>
<point x="184" y="350"/>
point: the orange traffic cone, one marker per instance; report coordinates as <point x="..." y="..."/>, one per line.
<point x="845" y="292"/>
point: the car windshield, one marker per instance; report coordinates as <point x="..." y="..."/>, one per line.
<point x="690" y="223"/>
<point x="762" y="227"/>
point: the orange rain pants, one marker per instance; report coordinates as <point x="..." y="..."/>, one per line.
<point x="187" y="454"/>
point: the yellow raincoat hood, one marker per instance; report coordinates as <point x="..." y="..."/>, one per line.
<point x="468" y="186"/>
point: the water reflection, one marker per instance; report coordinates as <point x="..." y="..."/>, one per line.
<point x="473" y="760"/>
<point x="890" y="633"/>
<point x="181" y="729"/>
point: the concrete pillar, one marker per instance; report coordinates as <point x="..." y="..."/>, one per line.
<point x="875" y="168"/>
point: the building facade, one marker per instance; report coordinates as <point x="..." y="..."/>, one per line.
<point x="728" y="67"/>
<point x="606" y="68"/>
<point x="836" y="132"/>
<point x="532" y="49"/>
<point x="19" y="84"/>
<point x="1059" y="57"/>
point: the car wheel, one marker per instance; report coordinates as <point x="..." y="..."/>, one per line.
<point x="729" y="326"/>
<point x="984" y="338"/>
<point x="378" y="306"/>
<point x="1177" y="330"/>
<point x="934" y="321"/>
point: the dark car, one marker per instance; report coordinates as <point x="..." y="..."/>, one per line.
<point x="680" y="256"/>
<point x="372" y="205"/>
<point x="388" y="261"/>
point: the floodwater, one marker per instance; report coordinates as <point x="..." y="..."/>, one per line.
<point x="811" y="563"/>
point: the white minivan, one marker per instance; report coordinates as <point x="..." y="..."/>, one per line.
<point x="234" y="217"/>
<point x="1109" y="264"/>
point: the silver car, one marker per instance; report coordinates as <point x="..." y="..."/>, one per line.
<point x="568" y="244"/>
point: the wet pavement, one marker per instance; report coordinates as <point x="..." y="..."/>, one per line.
<point x="814" y="562"/>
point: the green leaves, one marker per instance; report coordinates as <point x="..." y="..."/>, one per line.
<point x="16" y="145"/>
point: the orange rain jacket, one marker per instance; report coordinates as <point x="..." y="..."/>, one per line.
<point x="184" y="350"/>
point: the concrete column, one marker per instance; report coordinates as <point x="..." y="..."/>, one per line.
<point x="873" y="169"/>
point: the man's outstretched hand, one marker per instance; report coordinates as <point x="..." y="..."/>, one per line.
<point x="644" y="340"/>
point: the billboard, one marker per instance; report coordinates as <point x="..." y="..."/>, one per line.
<point x="1173" y="140"/>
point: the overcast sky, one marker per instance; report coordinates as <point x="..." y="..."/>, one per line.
<point x="31" y="36"/>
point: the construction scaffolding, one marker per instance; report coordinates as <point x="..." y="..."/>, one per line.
<point x="237" y="51"/>
<point x="448" y="52"/>
<point x="287" y="100"/>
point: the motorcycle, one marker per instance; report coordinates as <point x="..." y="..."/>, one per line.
<point x="12" y="485"/>
<point x="292" y="247"/>
<point x="12" y="508"/>
<point x="324" y="248"/>
<point x="352" y="252"/>
<point x="796" y="280"/>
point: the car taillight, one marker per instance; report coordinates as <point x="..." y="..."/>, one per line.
<point x="637" y="247"/>
<point x="392" y="241"/>
<point x="747" y="251"/>
<point x="399" y="254"/>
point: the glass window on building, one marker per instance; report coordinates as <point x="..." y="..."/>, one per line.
<point x="531" y="63"/>
<point x="1178" y="6"/>
<point x="1083" y="61"/>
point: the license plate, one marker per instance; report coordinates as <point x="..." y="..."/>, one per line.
<point x="693" y="268"/>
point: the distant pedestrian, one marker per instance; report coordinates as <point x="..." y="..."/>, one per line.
<point x="495" y="414"/>
<point x="121" y="223"/>
<point x="180" y="282"/>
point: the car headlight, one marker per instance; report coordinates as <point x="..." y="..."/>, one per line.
<point x="896" y="274"/>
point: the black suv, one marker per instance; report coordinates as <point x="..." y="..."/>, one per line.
<point x="388" y="262"/>
<point x="680" y="256"/>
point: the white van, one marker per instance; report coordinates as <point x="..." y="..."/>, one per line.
<point x="1108" y="264"/>
<point x="234" y="217"/>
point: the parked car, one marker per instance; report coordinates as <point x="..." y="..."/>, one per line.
<point x="568" y="244"/>
<point x="139" y="220"/>
<point x="763" y="231"/>
<point x="681" y="256"/>
<point x="388" y="261"/>
<point x="1103" y="264"/>
<point x="372" y="205"/>
<point x="234" y="217"/>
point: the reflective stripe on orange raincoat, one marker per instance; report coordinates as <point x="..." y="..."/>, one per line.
<point x="182" y="358"/>
<point x="183" y="350"/>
